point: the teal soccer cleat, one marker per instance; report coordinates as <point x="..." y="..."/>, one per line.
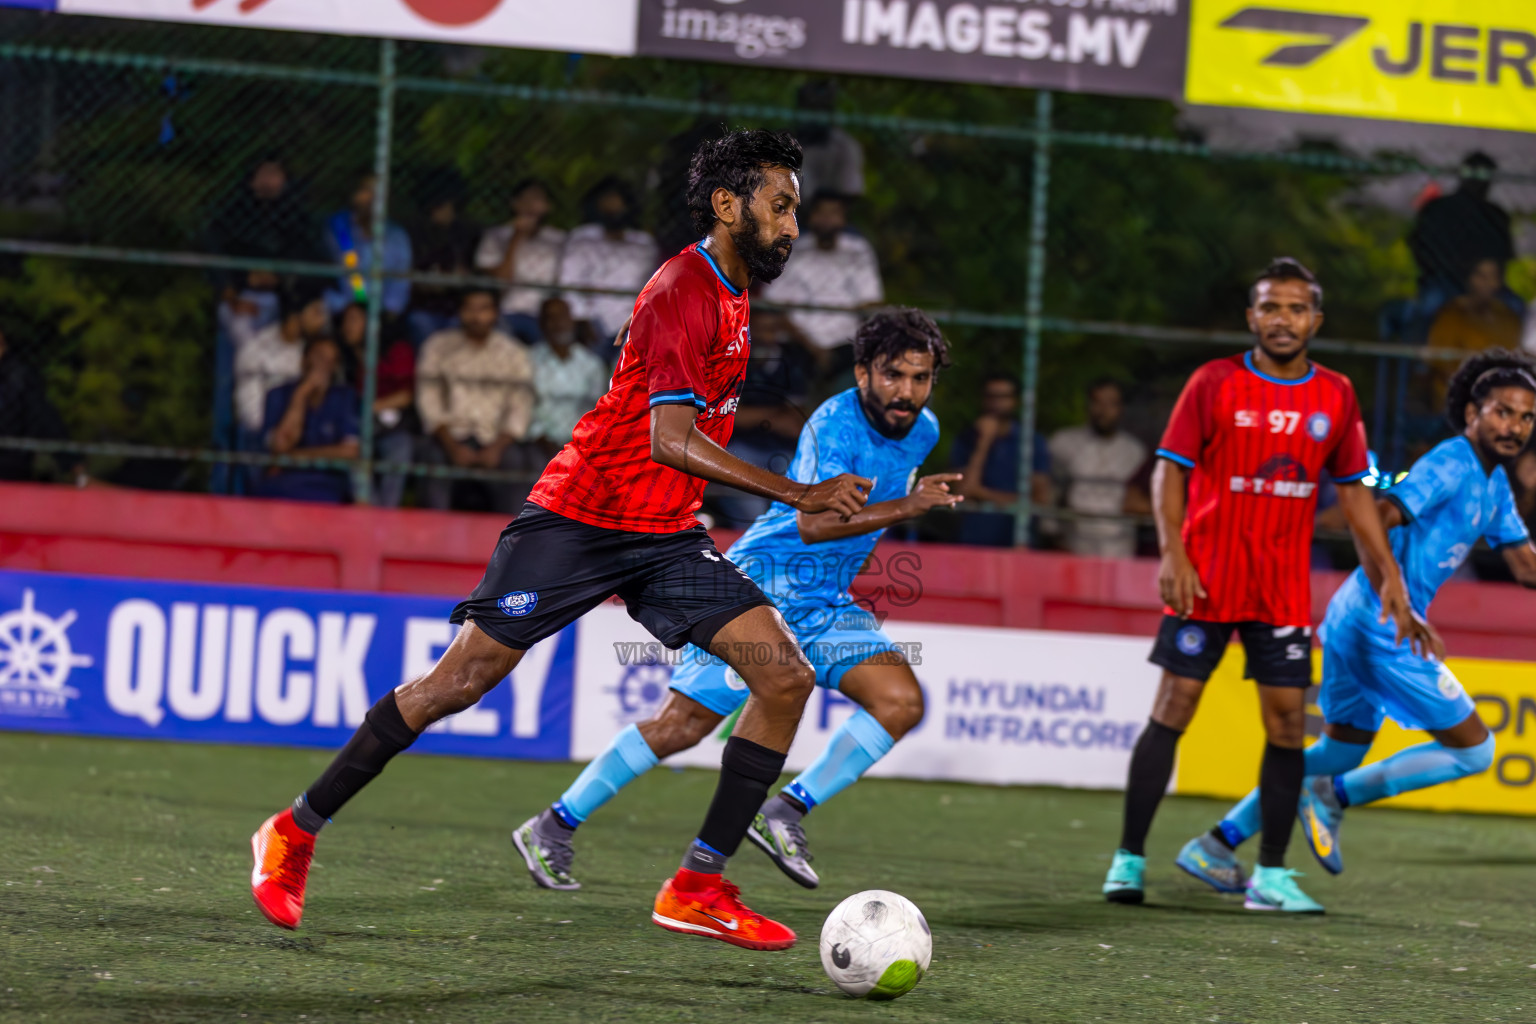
<point x="1276" y="889"/>
<point x="1321" y="815"/>
<point x="1214" y="863"/>
<point x="1123" y="883"/>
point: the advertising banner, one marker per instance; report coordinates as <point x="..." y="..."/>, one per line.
<point x="1004" y="706"/>
<point x="581" y="26"/>
<point x="225" y="664"/>
<point x="1125" y="47"/>
<point x="1462" y="62"/>
<point x="1219" y="755"/>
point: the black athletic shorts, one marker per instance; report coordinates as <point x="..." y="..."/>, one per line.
<point x="549" y="570"/>
<point x="1276" y="655"/>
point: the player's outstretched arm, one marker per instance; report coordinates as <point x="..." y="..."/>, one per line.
<point x="1178" y="582"/>
<point x="676" y="443"/>
<point x="1368" y="525"/>
<point x="930" y="492"/>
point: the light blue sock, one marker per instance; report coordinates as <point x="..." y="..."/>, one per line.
<point x="1427" y="764"/>
<point x="857" y="744"/>
<point x="627" y="758"/>
<point x="1327" y="756"/>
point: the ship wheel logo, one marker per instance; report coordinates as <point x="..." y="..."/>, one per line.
<point x="36" y="659"/>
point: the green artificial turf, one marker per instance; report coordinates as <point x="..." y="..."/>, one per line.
<point x="124" y="870"/>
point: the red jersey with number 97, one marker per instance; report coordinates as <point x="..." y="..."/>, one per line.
<point x="688" y="345"/>
<point x="1256" y="446"/>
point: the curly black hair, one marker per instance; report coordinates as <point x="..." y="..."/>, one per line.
<point x="735" y="162"/>
<point x="1285" y="268"/>
<point x="1480" y="374"/>
<point x="895" y="332"/>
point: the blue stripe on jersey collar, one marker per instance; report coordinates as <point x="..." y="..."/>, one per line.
<point x="716" y="267"/>
<point x="1248" y="362"/>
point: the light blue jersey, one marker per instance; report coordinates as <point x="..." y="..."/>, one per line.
<point x="1448" y="501"/>
<point x="809" y="582"/>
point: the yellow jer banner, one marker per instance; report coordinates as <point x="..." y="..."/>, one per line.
<point x="1464" y="62"/>
<point x="1219" y="756"/>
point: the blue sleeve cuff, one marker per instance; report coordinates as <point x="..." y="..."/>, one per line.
<point x="682" y="396"/>
<point x="1164" y="453"/>
<point x="1353" y="477"/>
<point x="1503" y="544"/>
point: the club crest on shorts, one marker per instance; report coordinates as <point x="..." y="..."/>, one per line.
<point x="518" y="603"/>
<point x="1318" y="425"/>
<point x="1450" y="686"/>
<point x="1190" y="640"/>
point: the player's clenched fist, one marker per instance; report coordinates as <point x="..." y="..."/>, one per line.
<point x="844" y="494"/>
<point x="933" y="492"/>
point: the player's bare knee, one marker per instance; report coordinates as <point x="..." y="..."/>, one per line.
<point x="785" y="686"/>
<point x="1286" y="728"/>
<point x="678" y="727"/>
<point x="899" y="713"/>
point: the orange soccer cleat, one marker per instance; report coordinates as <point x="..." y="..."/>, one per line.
<point x="282" y="852"/>
<point x="716" y="911"/>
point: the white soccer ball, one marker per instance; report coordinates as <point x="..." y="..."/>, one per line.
<point x="876" y="945"/>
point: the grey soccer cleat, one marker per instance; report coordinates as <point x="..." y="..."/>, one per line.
<point x="547" y="852"/>
<point x="784" y="843"/>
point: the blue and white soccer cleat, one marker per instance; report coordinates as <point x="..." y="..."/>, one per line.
<point x="1276" y="889"/>
<point x="1123" y="883"/>
<point x="1214" y="863"/>
<point x="1321" y="815"/>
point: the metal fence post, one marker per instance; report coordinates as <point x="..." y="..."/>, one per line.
<point x="1033" y="296"/>
<point x="362" y="475"/>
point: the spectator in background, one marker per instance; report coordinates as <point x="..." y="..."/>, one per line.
<point x="1454" y="233"/>
<point x="524" y="252"/>
<point x="275" y="355"/>
<point x="1474" y="320"/>
<point x="314" y="417"/>
<point x="987" y="453"/>
<point x="837" y="269"/>
<point x="25" y="412"/>
<point x="262" y="218"/>
<point x="1095" y="466"/>
<point x="349" y="239"/>
<point x="444" y="243"/>
<point x="607" y="252"/>
<point x="833" y="160"/>
<point x="774" y="400"/>
<point x="394" y="394"/>
<point x="568" y="378"/>
<point x="474" y="393"/>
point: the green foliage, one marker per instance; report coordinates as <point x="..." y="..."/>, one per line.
<point x="125" y="350"/>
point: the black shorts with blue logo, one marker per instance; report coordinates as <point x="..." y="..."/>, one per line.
<point x="549" y="570"/>
<point x="1276" y="655"/>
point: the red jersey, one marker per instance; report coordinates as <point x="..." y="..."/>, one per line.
<point x="688" y="345"/>
<point x="1255" y="446"/>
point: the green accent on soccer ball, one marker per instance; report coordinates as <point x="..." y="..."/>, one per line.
<point x="899" y="979"/>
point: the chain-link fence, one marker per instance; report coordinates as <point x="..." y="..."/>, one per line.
<point x="172" y="198"/>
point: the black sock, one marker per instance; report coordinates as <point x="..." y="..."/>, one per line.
<point x="747" y="769"/>
<point x="1279" y="790"/>
<point x="1147" y="781"/>
<point x="1221" y="837"/>
<point x="382" y="735"/>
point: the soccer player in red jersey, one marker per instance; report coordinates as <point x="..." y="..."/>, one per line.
<point x="1235" y="495"/>
<point x="614" y="514"/>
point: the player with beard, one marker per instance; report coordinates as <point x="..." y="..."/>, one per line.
<point x="1234" y="496"/>
<point x="805" y="562"/>
<point x="614" y="514"/>
<point x="1455" y="495"/>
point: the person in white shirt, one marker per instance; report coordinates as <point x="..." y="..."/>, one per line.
<point x="524" y="252"/>
<point x="607" y="252"/>
<point x="474" y="394"/>
<point x="1094" y="465"/>
<point x="274" y="355"/>
<point x="568" y="378"/>
<point x="837" y="269"/>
